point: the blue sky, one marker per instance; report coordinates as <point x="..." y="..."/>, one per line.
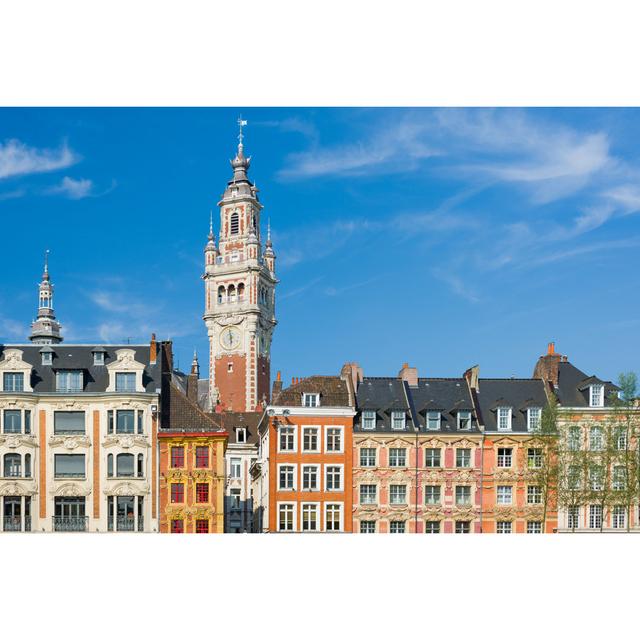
<point x="441" y="237"/>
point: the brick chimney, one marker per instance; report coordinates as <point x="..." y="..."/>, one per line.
<point x="277" y="386"/>
<point x="472" y="376"/>
<point x="352" y="374"/>
<point x="153" y="349"/>
<point x="409" y="374"/>
<point x="547" y="365"/>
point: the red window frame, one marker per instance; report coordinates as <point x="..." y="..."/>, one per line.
<point x="202" y="526"/>
<point x="202" y="492"/>
<point x="177" y="492"/>
<point x="177" y="457"/>
<point x="177" y="526"/>
<point x="202" y="457"/>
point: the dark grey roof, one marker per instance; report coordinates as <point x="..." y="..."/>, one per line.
<point x="231" y="420"/>
<point x="517" y="393"/>
<point x="95" y="378"/>
<point x="382" y="395"/>
<point x="573" y="386"/>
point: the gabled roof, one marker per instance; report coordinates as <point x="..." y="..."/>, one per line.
<point x="184" y="415"/>
<point x="332" y="389"/>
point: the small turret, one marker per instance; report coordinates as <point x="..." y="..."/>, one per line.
<point x="269" y="254"/>
<point x="45" y="329"/>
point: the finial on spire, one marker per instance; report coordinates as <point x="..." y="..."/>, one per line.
<point x="241" y="123"/>
<point x="211" y="224"/>
<point x="269" y="231"/>
<point x="46" y="261"/>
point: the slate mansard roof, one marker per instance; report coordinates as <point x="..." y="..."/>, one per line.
<point x="333" y="391"/>
<point x="573" y="386"/>
<point x="74" y="357"/>
<point x="384" y="396"/>
<point x="518" y="393"/>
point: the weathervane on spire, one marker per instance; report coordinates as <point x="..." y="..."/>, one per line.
<point x="241" y="123"/>
<point x="46" y="261"/>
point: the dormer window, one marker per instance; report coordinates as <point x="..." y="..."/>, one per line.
<point x="504" y="418"/>
<point x="241" y="435"/>
<point x="433" y="420"/>
<point x="398" y="419"/>
<point x="464" y="420"/>
<point x="47" y="358"/>
<point x="368" y="419"/>
<point x="125" y="381"/>
<point x="98" y="358"/>
<point x="13" y="381"/>
<point x="69" y="381"/>
<point x="310" y="399"/>
<point x="596" y="395"/>
<point x="534" y="415"/>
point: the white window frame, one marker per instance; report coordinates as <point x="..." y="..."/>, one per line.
<point x="394" y="414"/>
<point x="464" y="466"/>
<point x="375" y="457"/>
<point x="326" y="480"/>
<point x="618" y="517"/>
<point x="435" y="486"/>
<point x="574" y="443"/>
<point x="340" y="506"/>
<point x="404" y="502"/>
<point x="433" y="414"/>
<point x="318" y="486"/>
<point x="508" y="417"/>
<point x="311" y="400"/>
<point x="531" y="424"/>
<point x="295" y="438"/>
<point x="376" y="495"/>
<point x="429" y="523"/>
<point x="469" y="415"/>
<point x="618" y="483"/>
<point x="293" y="514"/>
<point x="326" y="438"/>
<point x="398" y="466"/>
<point x="573" y="517"/>
<point x="596" y="429"/>
<point x="430" y="449"/>
<point x="313" y="506"/>
<point x="400" y="522"/>
<point x="534" y="458"/>
<point x="464" y="501"/>
<point x="317" y="429"/>
<point x="534" y="494"/>
<point x="507" y="494"/>
<point x="595" y="516"/>
<point x="361" y="522"/>
<point x="368" y="414"/>
<point x="596" y="395"/>
<point x="504" y="456"/>
<point x="506" y="524"/>
<point x="295" y="476"/>
<point x="243" y="431"/>
<point x="231" y="466"/>
<point x="534" y="524"/>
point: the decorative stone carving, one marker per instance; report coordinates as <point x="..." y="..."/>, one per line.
<point x="128" y="489"/>
<point x="71" y="489"/>
<point x="17" y="440"/>
<point x="18" y="489"/>
<point x="125" y="441"/>
<point x="70" y="442"/>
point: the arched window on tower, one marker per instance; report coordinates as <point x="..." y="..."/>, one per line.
<point x="221" y="294"/>
<point x="232" y="294"/>
<point x="241" y="292"/>
<point x="235" y="224"/>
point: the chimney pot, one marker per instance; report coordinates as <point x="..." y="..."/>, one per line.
<point x="551" y="348"/>
<point x="279" y="376"/>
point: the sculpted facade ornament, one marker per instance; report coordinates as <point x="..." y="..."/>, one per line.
<point x="128" y="489"/>
<point x="13" y="361"/>
<point x="225" y="321"/>
<point x="504" y="513"/>
<point x="17" y="440"/>
<point x="70" y="442"/>
<point x="125" y="441"/>
<point x="18" y="489"/>
<point x="71" y="489"/>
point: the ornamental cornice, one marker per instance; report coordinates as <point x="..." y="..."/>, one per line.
<point x="70" y="442"/>
<point x="368" y="476"/>
<point x="70" y="404"/>
<point x="510" y="475"/>
<point x="190" y="512"/>
<point x="432" y="513"/>
<point x="70" y="489"/>
<point x="368" y="508"/>
<point x="17" y="440"/>
<point x="433" y="476"/>
<point x="464" y="476"/>
<point x="434" y="442"/>
<point x="510" y="439"/>
<point x="125" y="441"/>
<point x="508" y="513"/>
<point x="366" y="515"/>
<point x="125" y="403"/>
<point x="228" y="320"/>
<point x="18" y="403"/>
<point x="465" y="513"/>
<point x="127" y="489"/>
<point x="15" y="488"/>
<point x="201" y="475"/>
<point x="533" y="512"/>
<point x="365" y="441"/>
<point x="397" y="440"/>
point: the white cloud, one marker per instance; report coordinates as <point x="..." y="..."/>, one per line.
<point x="18" y="159"/>
<point x="12" y="328"/>
<point x="74" y="189"/>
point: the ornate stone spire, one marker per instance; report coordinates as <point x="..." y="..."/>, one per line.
<point x="240" y="185"/>
<point x="45" y="329"/>
<point x="195" y="365"/>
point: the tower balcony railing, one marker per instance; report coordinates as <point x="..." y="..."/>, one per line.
<point x="70" y="523"/>
<point x="231" y="301"/>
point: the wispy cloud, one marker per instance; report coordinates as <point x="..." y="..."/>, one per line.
<point x="298" y="290"/>
<point x="74" y="189"/>
<point x="10" y="195"/>
<point x="12" y="328"/>
<point x="337" y="291"/>
<point x="19" y="159"/>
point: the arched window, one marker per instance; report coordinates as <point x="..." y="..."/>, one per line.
<point x="12" y="465"/>
<point x="232" y="293"/>
<point x="110" y="465"/>
<point x="27" y="465"/>
<point x="124" y="465"/>
<point x="235" y="224"/>
<point x="221" y="294"/>
<point x="241" y="292"/>
<point x="140" y="466"/>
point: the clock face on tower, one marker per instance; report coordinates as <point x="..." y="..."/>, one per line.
<point x="230" y="339"/>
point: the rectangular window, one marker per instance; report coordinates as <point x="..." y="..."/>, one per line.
<point x="285" y="517"/>
<point x="12" y="465"/>
<point x="309" y="517"/>
<point x="619" y="479"/>
<point x="398" y="494"/>
<point x="202" y="492"/>
<point x="534" y="415"/>
<point x="202" y="457"/>
<point x="235" y="467"/>
<point x="464" y="420"/>
<point x="332" y="517"/>
<point x="595" y="516"/>
<point x="503" y="527"/>
<point x="596" y="478"/>
<point x="573" y="517"/>
<point x="596" y="395"/>
<point x="125" y="421"/>
<point x="177" y="457"/>
<point x="177" y="492"/>
<point x="311" y="399"/>
<point x="69" y="381"/>
<point x="534" y="495"/>
<point x="310" y="477"/>
<point x="124" y="465"/>
<point x="504" y="457"/>
<point x="463" y="495"/>
<point x="574" y="478"/>
<point x="432" y="494"/>
<point x="202" y="526"/>
<point x="69" y="465"/>
<point x="432" y="526"/>
<point x="396" y="526"/>
<point x="504" y="494"/>
<point x="397" y="457"/>
<point x="619" y="517"/>
<point x="368" y="494"/>
<point x="463" y="457"/>
<point x="27" y="421"/>
<point x="368" y="419"/>
<point x="574" y="439"/>
<point x="13" y="381"/>
<point x="310" y="439"/>
<point x="125" y="381"/>
<point x="398" y="421"/>
<point x="334" y="439"/>
<point x="367" y="457"/>
<point x="432" y="457"/>
<point x="533" y="526"/>
<point x="596" y="439"/>
<point x="177" y="526"/>
<point x="241" y="435"/>
<point x="534" y="458"/>
<point x="68" y="422"/>
<point x="235" y="499"/>
<point x="433" y="420"/>
<point x="333" y="480"/>
<point x="287" y="478"/>
<point x="504" y="418"/>
<point x="367" y="526"/>
<point x="621" y="438"/>
<point x="463" y="526"/>
<point x="12" y="421"/>
<point x="287" y="440"/>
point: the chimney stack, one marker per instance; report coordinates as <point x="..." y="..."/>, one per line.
<point x="472" y="377"/>
<point x="153" y="349"/>
<point x="409" y="375"/>
<point x="547" y="365"/>
<point x="277" y="386"/>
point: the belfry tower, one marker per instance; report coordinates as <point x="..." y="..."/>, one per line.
<point x="240" y="286"/>
<point x="45" y="329"/>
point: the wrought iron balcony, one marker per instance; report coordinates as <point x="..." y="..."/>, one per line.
<point x="124" y="523"/>
<point x="70" y="523"/>
<point x="12" y="523"/>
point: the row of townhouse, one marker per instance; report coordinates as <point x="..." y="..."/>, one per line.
<point x="406" y="454"/>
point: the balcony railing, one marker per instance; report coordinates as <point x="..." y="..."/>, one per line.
<point x="70" y="523"/>
<point x="124" y="523"/>
<point x="69" y="474"/>
<point x="12" y="523"/>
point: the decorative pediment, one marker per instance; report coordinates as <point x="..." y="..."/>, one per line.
<point x="71" y="489"/>
<point x="13" y="361"/>
<point x="70" y="442"/>
<point x="367" y="441"/>
<point x="125" y="441"/>
<point x="501" y="441"/>
<point x="18" y="489"/>
<point x="125" y="363"/>
<point x="18" y="440"/>
<point x="127" y="489"/>
<point x="399" y="441"/>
